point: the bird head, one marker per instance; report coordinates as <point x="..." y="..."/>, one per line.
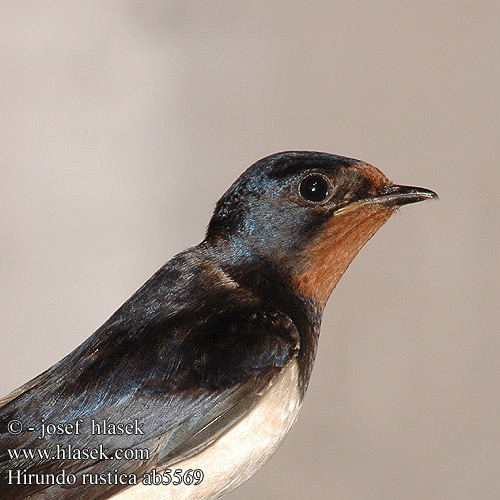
<point x="306" y="215"/>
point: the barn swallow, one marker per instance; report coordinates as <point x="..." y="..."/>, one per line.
<point x="206" y="366"/>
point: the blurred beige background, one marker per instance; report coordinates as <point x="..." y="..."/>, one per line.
<point x="121" y="124"/>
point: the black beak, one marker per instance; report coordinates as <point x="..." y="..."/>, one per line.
<point x="394" y="195"/>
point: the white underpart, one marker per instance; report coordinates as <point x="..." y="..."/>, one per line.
<point x="238" y="453"/>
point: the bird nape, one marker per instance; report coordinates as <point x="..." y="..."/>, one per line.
<point x="191" y="385"/>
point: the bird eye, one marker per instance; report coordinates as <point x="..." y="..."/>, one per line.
<point x="315" y="188"/>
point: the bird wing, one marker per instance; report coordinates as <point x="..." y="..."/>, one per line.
<point x="183" y="380"/>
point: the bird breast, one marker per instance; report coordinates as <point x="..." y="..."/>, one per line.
<point x="238" y="453"/>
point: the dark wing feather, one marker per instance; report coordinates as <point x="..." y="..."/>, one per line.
<point x="186" y="373"/>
